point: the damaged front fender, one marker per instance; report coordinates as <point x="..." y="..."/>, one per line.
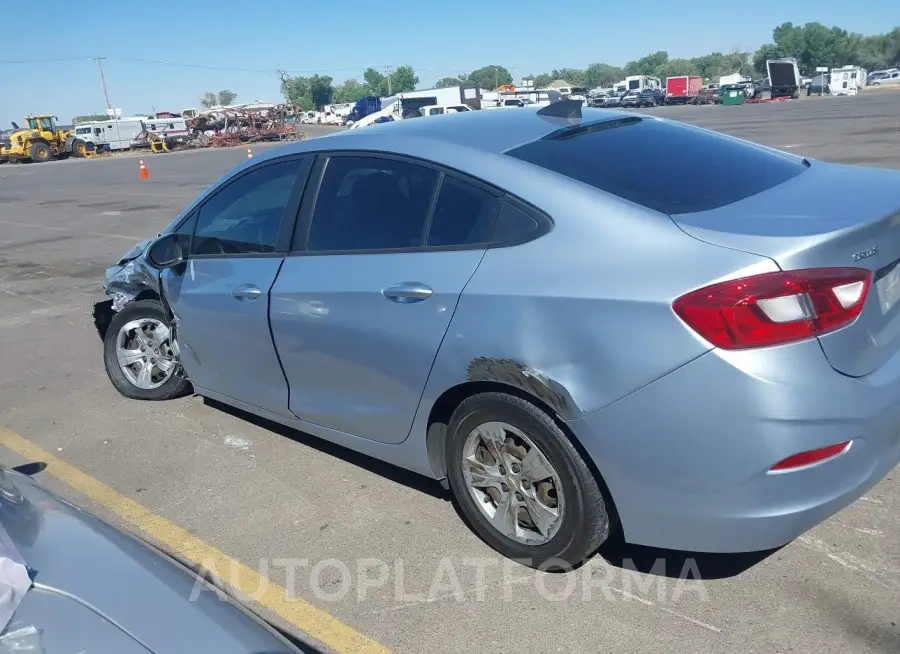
<point x="129" y="280"/>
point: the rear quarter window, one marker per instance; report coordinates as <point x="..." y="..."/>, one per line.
<point x="668" y="167"/>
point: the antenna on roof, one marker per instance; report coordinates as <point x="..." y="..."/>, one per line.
<point x="562" y="109"/>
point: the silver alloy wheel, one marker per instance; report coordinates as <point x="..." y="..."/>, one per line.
<point x="513" y="483"/>
<point x="144" y="353"/>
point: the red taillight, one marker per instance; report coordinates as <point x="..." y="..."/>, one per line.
<point x="775" y="308"/>
<point x="804" y="459"/>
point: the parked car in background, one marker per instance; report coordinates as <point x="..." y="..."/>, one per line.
<point x="887" y="78"/>
<point x="703" y="356"/>
<point x="613" y="100"/>
<point x="631" y="99"/>
<point x="820" y="85"/>
<point x="648" y="98"/>
<point x="99" y="589"/>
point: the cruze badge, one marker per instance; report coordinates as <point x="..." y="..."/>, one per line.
<point x="865" y="254"/>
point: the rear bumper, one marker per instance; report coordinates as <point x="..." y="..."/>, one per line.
<point x="686" y="458"/>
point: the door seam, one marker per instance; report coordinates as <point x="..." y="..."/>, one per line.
<point x="440" y="345"/>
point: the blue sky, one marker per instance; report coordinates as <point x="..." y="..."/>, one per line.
<point x="342" y="38"/>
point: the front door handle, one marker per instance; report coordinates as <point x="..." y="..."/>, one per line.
<point x="246" y="293"/>
<point x="407" y="292"/>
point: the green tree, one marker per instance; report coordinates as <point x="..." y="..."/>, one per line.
<point x="763" y="54"/>
<point x="375" y="82"/>
<point x="647" y="65"/>
<point x="676" y="67"/>
<point x="713" y="65"/>
<point x="296" y="91"/>
<point x="542" y="80"/>
<point x="350" y="91"/>
<point x="89" y="118"/>
<point x="815" y="44"/>
<point x="446" y="82"/>
<point x="489" y="77"/>
<point x="227" y="97"/>
<point x="209" y="100"/>
<point x="601" y="75"/>
<point x="403" y="79"/>
<point x="321" y="90"/>
<point x="574" y="76"/>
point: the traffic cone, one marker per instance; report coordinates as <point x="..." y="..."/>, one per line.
<point x="249" y="153"/>
<point x="144" y="173"/>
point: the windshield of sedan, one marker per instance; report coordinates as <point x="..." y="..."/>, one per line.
<point x="665" y="166"/>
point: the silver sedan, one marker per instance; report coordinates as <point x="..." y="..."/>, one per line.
<point x="694" y="341"/>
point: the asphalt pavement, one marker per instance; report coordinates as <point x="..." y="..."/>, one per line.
<point x="376" y="555"/>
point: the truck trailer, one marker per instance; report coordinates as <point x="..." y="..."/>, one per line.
<point x="468" y="94"/>
<point x="683" y="89"/>
<point x="783" y="81"/>
<point x="112" y="134"/>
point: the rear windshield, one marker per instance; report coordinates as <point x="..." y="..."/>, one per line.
<point x="668" y="167"/>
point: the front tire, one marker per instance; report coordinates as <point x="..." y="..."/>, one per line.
<point x="137" y="353"/>
<point x="40" y="152"/>
<point x="521" y="483"/>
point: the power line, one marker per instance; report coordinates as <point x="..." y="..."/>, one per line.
<point x="45" y="61"/>
<point x="180" y="64"/>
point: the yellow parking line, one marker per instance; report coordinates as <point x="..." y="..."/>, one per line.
<point x="314" y="621"/>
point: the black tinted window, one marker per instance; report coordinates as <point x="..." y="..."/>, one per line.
<point x="185" y="231"/>
<point x="513" y="224"/>
<point x="245" y="215"/>
<point x="668" y="167"/>
<point x="463" y="215"/>
<point x="371" y="203"/>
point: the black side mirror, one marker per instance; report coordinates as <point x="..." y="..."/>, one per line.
<point x="166" y="252"/>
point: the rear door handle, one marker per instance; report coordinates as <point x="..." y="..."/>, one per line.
<point x="246" y="293"/>
<point x="407" y="292"/>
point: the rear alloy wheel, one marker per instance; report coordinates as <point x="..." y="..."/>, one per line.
<point x="521" y="483"/>
<point x="138" y="354"/>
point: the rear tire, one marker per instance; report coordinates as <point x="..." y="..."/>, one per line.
<point x="568" y="503"/>
<point x="147" y="312"/>
<point x="78" y="148"/>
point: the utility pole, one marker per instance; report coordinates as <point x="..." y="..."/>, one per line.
<point x="389" y="72"/>
<point x="109" y="108"/>
<point x="99" y="61"/>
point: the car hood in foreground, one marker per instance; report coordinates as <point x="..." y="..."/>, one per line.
<point x="98" y="589"/>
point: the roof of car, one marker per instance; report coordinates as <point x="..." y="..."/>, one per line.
<point x="494" y="131"/>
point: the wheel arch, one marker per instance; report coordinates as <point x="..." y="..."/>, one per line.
<point x="443" y="408"/>
<point x="103" y="312"/>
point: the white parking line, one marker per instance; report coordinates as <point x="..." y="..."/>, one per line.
<point x="72" y="231"/>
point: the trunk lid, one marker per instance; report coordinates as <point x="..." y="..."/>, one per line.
<point x="828" y="216"/>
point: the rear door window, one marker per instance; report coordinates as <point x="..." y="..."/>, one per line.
<point x="463" y="215"/>
<point x="664" y="166"/>
<point x="371" y="203"/>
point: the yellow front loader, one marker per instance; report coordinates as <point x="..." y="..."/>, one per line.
<point x="43" y="140"/>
